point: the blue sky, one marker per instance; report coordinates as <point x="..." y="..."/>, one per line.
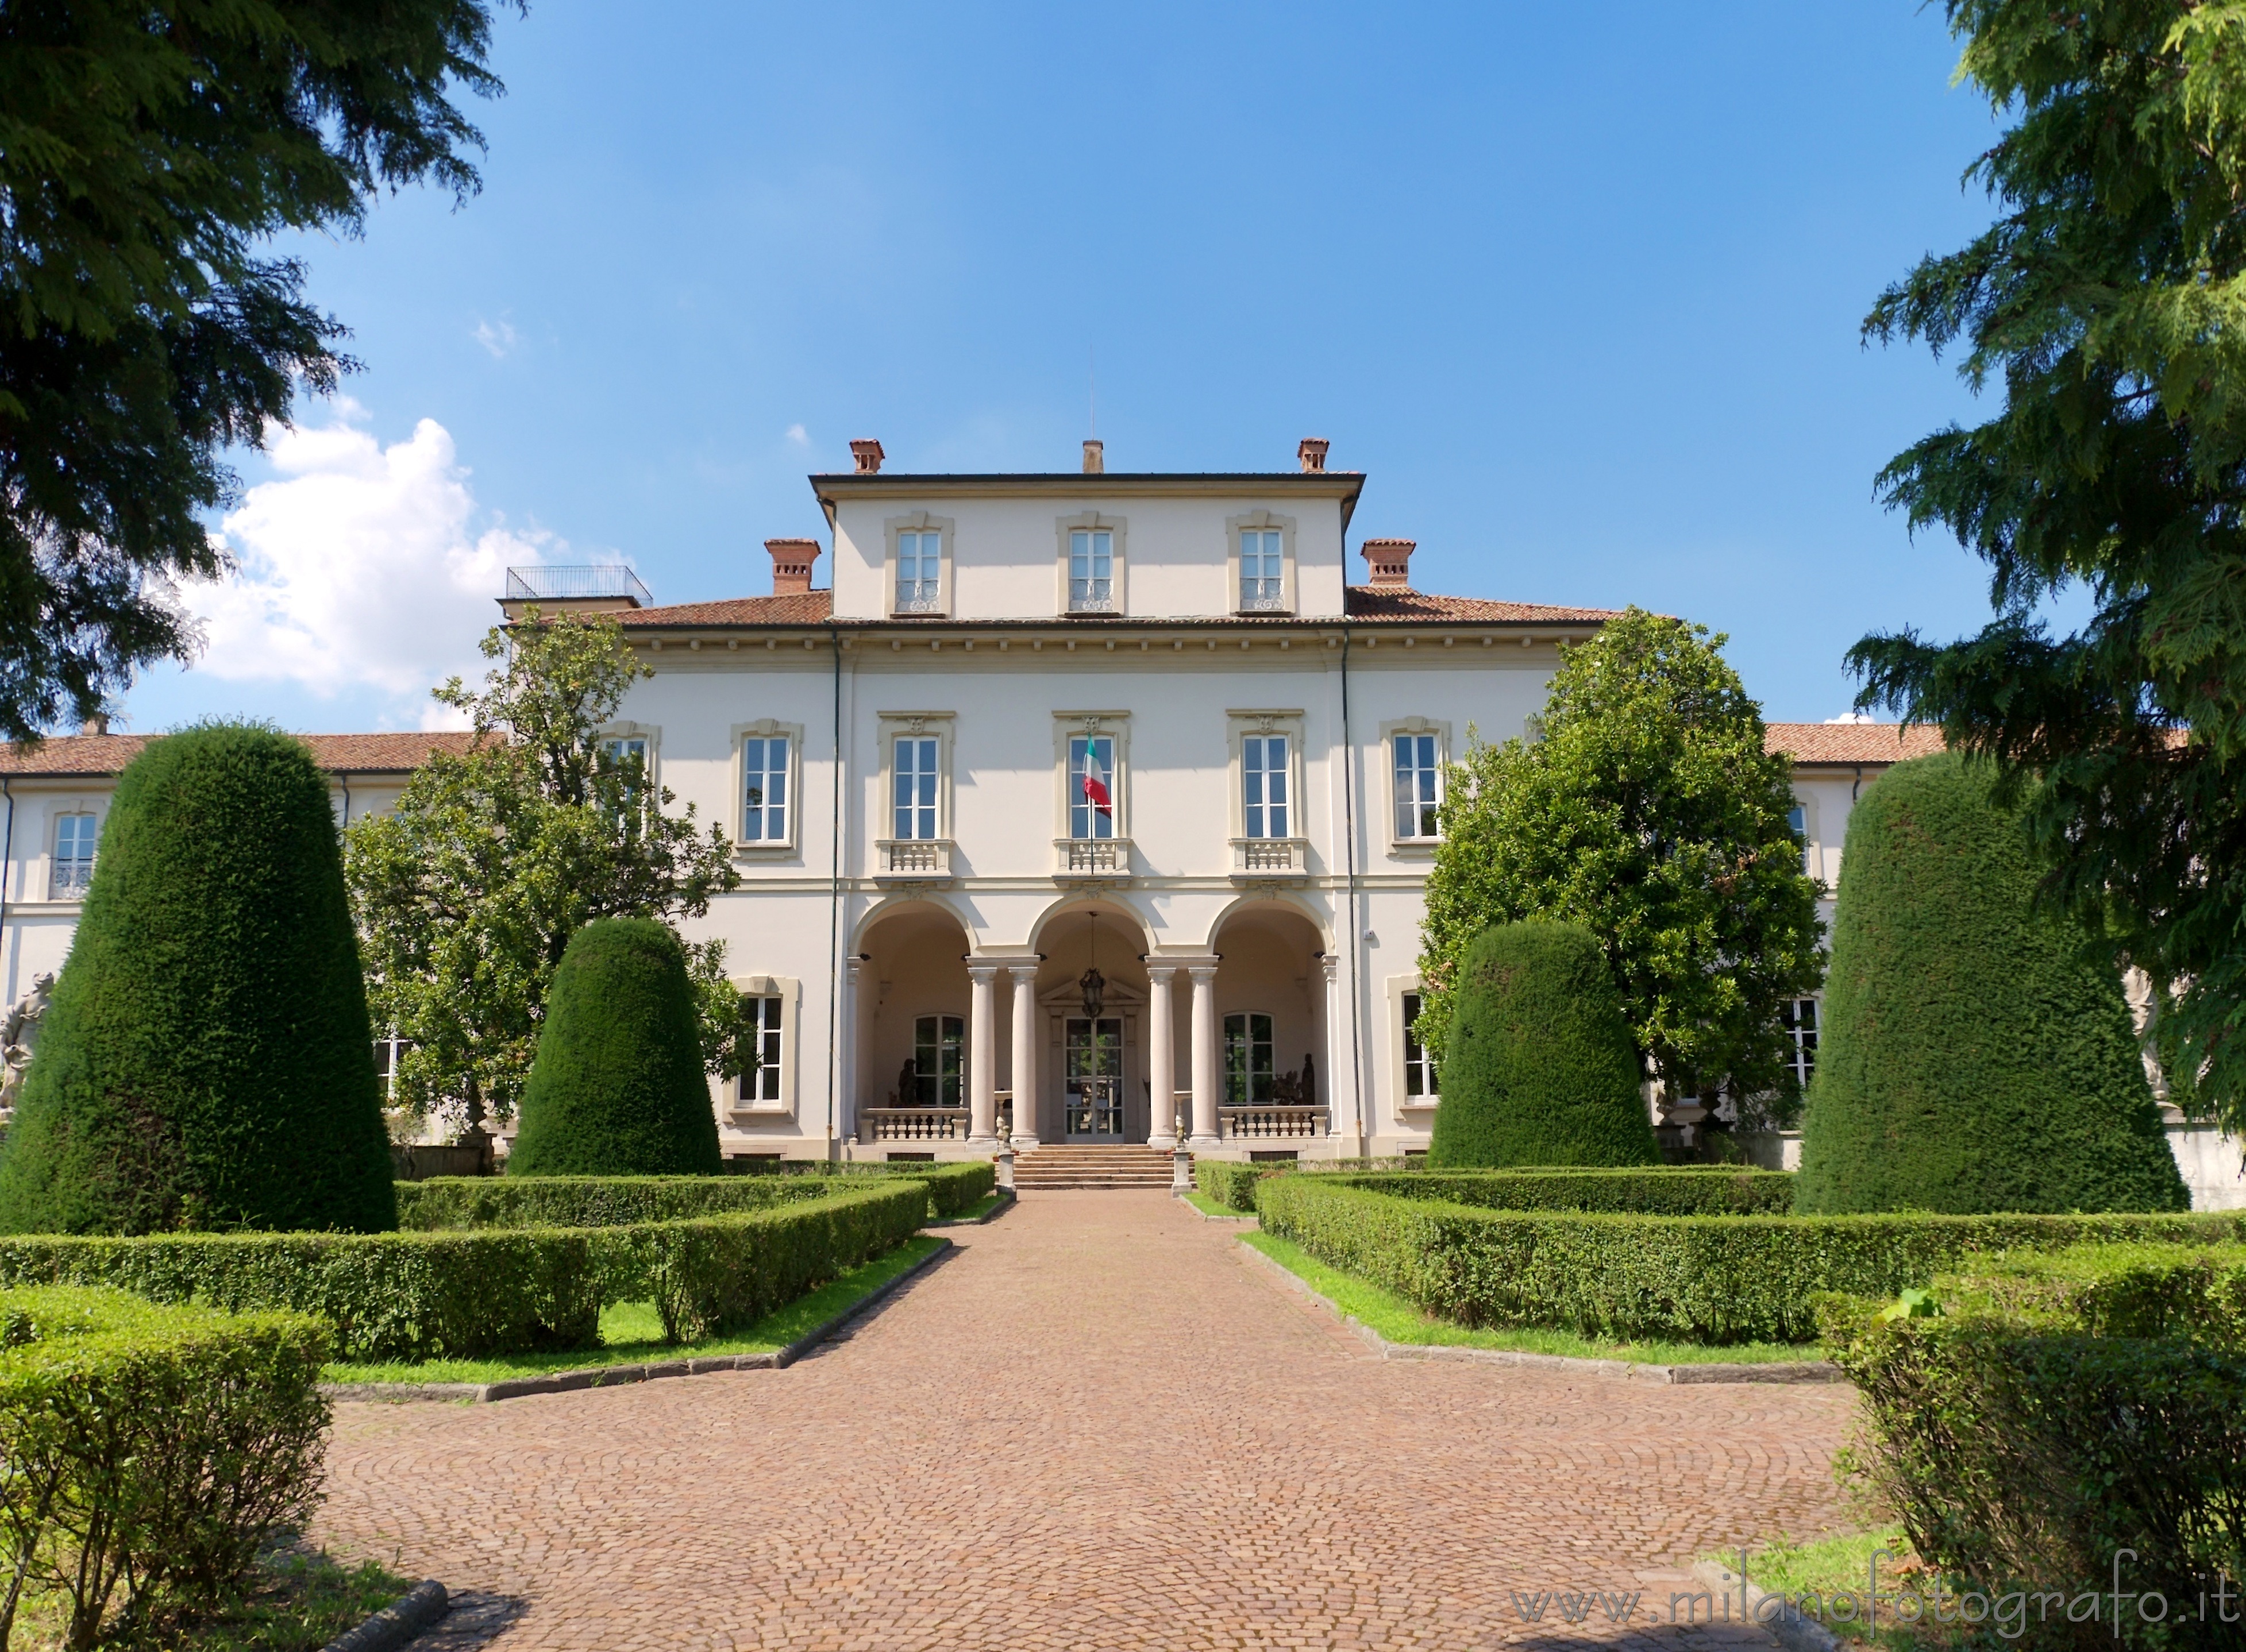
<point x="1578" y="287"/>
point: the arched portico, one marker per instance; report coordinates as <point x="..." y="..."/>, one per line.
<point x="912" y="1001"/>
<point x="1262" y="1017"/>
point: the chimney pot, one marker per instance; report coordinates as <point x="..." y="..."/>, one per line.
<point x="1310" y="452"/>
<point x="1094" y="458"/>
<point x="1388" y="562"/>
<point x="791" y="560"/>
<point x="97" y="723"/>
<point x="869" y="457"/>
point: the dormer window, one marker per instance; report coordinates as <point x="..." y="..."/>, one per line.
<point x="1262" y="571"/>
<point x="1091" y="571"/>
<point x="919" y="571"/>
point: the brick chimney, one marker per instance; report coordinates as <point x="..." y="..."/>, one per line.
<point x="869" y="457"/>
<point x="791" y="560"/>
<point x="97" y="723"/>
<point x="1095" y="459"/>
<point x="1388" y="562"/>
<point x="1310" y="452"/>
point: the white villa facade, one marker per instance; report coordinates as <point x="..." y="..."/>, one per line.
<point x="1082" y="807"/>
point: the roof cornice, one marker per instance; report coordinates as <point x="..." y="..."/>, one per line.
<point x="832" y="487"/>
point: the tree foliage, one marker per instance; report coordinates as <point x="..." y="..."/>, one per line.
<point x="468" y="894"/>
<point x="146" y="152"/>
<point x="1649" y="812"/>
<point x="1971" y="1060"/>
<point x="1541" y="1068"/>
<point x="2108" y="303"/>
<point x="207" y="1061"/>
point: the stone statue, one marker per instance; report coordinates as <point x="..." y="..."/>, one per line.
<point x="19" y="1033"/>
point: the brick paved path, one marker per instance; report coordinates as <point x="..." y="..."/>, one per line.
<point x="1092" y="1426"/>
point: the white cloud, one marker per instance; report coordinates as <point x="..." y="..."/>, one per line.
<point x="359" y="566"/>
<point x="1853" y="716"/>
<point x="799" y="436"/>
<point x="498" y="340"/>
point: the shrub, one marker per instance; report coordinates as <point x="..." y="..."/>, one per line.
<point x="954" y="1187"/>
<point x="1684" y="1191"/>
<point x="1230" y="1183"/>
<point x="1540" y="1068"/>
<point x="2023" y="1450"/>
<point x="617" y="1086"/>
<point x="1970" y="1059"/>
<point x="157" y="1447"/>
<point x="608" y="1201"/>
<point x="1702" y="1278"/>
<point x="479" y="1294"/>
<point x="207" y="1061"/>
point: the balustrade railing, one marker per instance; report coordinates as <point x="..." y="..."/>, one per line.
<point x="912" y="1123"/>
<point x="1259" y="1124"/>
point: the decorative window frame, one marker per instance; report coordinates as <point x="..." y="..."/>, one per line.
<point x="73" y="807"/>
<point x="1117" y="725"/>
<point x="1396" y="988"/>
<point x="767" y="848"/>
<point x="1812" y="845"/>
<point x="1259" y="723"/>
<point x="652" y="732"/>
<point x="917" y="522"/>
<point x="1411" y="848"/>
<point x="1120" y="589"/>
<point x="892" y="724"/>
<point x="1234" y="527"/>
<point x="789" y="991"/>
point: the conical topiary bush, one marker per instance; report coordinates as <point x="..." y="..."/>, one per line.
<point x="1970" y="1060"/>
<point x="206" y="1060"/>
<point x="617" y="1088"/>
<point x="1540" y="1069"/>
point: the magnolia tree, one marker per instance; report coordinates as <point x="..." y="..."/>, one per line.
<point x="1649" y="812"/>
<point x="468" y="894"/>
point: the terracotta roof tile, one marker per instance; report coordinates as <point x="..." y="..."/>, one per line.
<point x="106" y="754"/>
<point x="1852" y="742"/>
<point x="1365" y="602"/>
<point x="1392" y="603"/>
<point x="799" y="608"/>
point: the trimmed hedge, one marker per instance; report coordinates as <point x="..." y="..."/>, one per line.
<point x="153" y="1447"/>
<point x="1677" y="1190"/>
<point x="207" y="1061"/>
<point x="1230" y="1183"/>
<point x="446" y="1202"/>
<point x="1970" y="1059"/>
<point x="617" y="1086"/>
<point x="1702" y="1278"/>
<point x="2023" y="1448"/>
<point x="482" y="1293"/>
<point x="1541" y="1068"/>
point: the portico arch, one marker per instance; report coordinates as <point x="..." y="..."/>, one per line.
<point x="913" y="1002"/>
<point x="1270" y="1012"/>
<point x="1095" y="1075"/>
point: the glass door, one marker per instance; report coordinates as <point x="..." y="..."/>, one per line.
<point x="1093" y="1078"/>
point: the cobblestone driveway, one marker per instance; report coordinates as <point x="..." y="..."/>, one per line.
<point x="1092" y="1426"/>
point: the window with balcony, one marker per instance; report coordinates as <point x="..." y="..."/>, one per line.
<point x="939" y="1048"/>
<point x="1263" y="777"/>
<point x="764" y="788"/>
<point x="73" y="862"/>
<point x="1418" y="1061"/>
<point x="760" y="1076"/>
<point x="1419" y="782"/>
<point x="913" y="788"/>
<point x="1090" y="570"/>
<point x="1262" y="570"/>
<point x="1249" y="1066"/>
<point x="1091" y="787"/>
<point x="1800" y="1020"/>
<point x="919" y="571"/>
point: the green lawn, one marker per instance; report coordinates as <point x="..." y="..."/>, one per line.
<point x="296" y="1603"/>
<point x="631" y="1334"/>
<point x="980" y="1208"/>
<point x="1208" y="1206"/>
<point x="1401" y="1321"/>
<point x="1842" y="1564"/>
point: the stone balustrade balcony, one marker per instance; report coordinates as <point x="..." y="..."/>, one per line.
<point x="1271" y="1123"/>
<point x="901" y="861"/>
<point x="1271" y="861"/>
<point x="1079" y="861"/>
<point x="912" y="1123"/>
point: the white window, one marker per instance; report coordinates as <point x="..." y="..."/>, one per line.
<point x="1419" y="780"/>
<point x="1091" y="571"/>
<point x="939" y="1062"/>
<point x="74" y="864"/>
<point x="622" y="752"/>
<point x="919" y="571"/>
<point x="1800" y="1020"/>
<point x="1263" y="786"/>
<point x="760" y="1074"/>
<point x="1418" y="1062"/>
<point x="1262" y="570"/>
<point x="387" y="1053"/>
<point x="764" y="789"/>
<point x="1249" y="1066"/>
<point x="1091" y="787"/>
<point x="913" y="788"/>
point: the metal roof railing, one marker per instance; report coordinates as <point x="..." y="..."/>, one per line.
<point x="562" y="584"/>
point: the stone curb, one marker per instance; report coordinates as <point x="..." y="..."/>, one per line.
<point x="1628" y="1370"/>
<point x="615" y="1376"/>
<point x="1788" y="1627"/>
<point x="397" y="1622"/>
<point x="1004" y="1204"/>
<point x="1236" y="1216"/>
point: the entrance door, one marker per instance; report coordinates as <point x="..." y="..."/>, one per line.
<point x="1093" y="1078"/>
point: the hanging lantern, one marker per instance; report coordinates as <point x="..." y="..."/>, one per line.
<point x="1094" y="984"/>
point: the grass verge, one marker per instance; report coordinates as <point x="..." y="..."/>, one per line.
<point x="1208" y="1206"/>
<point x="1402" y="1322"/>
<point x="980" y="1208"/>
<point x="1843" y="1566"/>
<point x="297" y="1601"/>
<point x="631" y="1333"/>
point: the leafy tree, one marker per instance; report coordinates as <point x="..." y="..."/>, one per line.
<point x="2108" y="301"/>
<point x="468" y="892"/>
<point x="1971" y="1060"/>
<point x="1541" y="1068"/>
<point x="617" y="1089"/>
<point x="1650" y="813"/>
<point x="207" y="1061"/>
<point x="145" y="151"/>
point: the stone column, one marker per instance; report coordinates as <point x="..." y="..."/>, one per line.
<point x="1025" y="1054"/>
<point x="1161" y="1057"/>
<point x="1205" y="1056"/>
<point x="1339" y="1121"/>
<point x="982" y="1056"/>
<point x="845" y="1055"/>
